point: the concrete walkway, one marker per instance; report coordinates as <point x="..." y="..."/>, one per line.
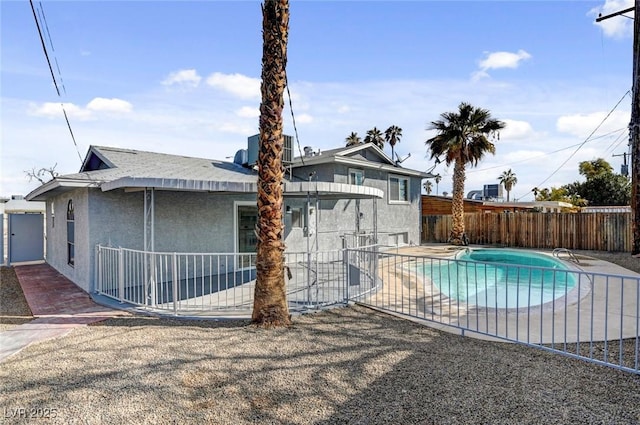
<point x="57" y="304"/>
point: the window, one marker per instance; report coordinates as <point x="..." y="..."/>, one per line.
<point x="53" y="215"/>
<point x="70" y="234"/>
<point x="356" y="177"/>
<point x="398" y="189"/>
<point x="296" y="217"/>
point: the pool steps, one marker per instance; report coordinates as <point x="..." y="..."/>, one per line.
<point x="556" y="253"/>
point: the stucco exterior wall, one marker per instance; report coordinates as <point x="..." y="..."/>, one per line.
<point x="398" y="223"/>
<point x="56" y="231"/>
<point x="196" y="222"/>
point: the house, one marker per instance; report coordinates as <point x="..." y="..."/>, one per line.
<point x="157" y="202"/>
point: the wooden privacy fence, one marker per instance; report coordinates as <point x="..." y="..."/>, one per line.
<point x="588" y="231"/>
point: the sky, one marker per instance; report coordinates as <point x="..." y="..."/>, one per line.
<point x="184" y="78"/>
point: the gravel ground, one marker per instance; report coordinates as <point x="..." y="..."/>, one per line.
<point x="346" y="365"/>
<point x="14" y="309"/>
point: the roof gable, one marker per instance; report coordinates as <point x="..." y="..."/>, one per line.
<point x="366" y="155"/>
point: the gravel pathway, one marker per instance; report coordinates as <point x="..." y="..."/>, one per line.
<point x="347" y="365"/>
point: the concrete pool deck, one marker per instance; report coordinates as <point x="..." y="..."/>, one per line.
<point x="603" y="306"/>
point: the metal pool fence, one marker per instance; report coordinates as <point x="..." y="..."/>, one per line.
<point x="591" y="316"/>
<point x="587" y="315"/>
<point x="197" y="283"/>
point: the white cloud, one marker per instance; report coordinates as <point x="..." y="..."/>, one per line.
<point x="109" y="105"/>
<point x="236" y="84"/>
<point x="615" y="27"/>
<point x="55" y="110"/>
<point x="184" y="77"/>
<point x="582" y="125"/>
<point x="248" y="112"/>
<point x="516" y="130"/>
<point x="498" y="60"/>
<point x="75" y="112"/>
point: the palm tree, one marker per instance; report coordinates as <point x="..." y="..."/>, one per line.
<point x="535" y="191"/>
<point x="508" y="179"/>
<point x="353" y="139"/>
<point x="437" y="179"/>
<point x="462" y="139"/>
<point x="375" y="136"/>
<point x="428" y="186"/>
<point x="392" y="135"/>
<point x="270" y="307"/>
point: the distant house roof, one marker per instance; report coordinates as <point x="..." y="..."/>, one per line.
<point x="112" y="168"/>
<point x="441" y="205"/>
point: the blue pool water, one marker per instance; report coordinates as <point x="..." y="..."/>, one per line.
<point x="501" y="278"/>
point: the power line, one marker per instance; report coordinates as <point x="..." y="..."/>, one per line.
<point x="510" y="164"/>
<point x="293" y="117"/>
<point x="585" y="141"/>
<point x="55" y="82"/>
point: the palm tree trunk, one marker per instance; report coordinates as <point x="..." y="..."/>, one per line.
<point x="457" y="205"/>
<point x="270" y="307"/>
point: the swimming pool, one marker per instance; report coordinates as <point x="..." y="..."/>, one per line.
<point x="501" y="278"/>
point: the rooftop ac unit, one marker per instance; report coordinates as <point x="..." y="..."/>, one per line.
<point x="253" y="144"/>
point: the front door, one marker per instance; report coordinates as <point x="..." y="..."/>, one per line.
<point x="247" y="241"/>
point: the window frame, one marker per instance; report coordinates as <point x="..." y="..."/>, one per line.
<point x="71" y="234"/>
<point x="398" y="200"/>
<point x="297" y="222"/>
<point x="356" y="171"/>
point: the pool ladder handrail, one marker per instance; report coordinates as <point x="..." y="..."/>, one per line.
<point x="572" y="257"/>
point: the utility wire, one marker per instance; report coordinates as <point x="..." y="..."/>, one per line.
<point x="510" y="164"/>
<point x="44" y="47"/>
<point x="48" y="35"/>
<point x="582" y="144"/>
<point x="55" y="83"/>
<point x="293" y="117"/>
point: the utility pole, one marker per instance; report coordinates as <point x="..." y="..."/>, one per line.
<point x="624" y="168"/>
<point x="634" y="126"/>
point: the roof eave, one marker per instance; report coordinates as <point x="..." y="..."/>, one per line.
<point x="57" y="186"/>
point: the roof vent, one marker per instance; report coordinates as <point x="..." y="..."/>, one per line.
<point x="310" y="151"/>
<point x="241" y="157"/>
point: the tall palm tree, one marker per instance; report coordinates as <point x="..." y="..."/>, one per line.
<point x="463" y="139"/>
<point x="428" y="187"/>
<point x="392" y="135"/>
<point x="437" y="179"/>
<point x="375" y="136"/>
<point x="353" y="139"/>
<point x="270" y="307"/>
<point x="508" y="179"/>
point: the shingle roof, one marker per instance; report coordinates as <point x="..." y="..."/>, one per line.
<point x="116" y="168"/>
<point x="141" y="164"/>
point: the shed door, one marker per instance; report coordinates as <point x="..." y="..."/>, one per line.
<point x="26" y="237"/>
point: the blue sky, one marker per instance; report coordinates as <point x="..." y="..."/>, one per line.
<point x="183" y="78"/>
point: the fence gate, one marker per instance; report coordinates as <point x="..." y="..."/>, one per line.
<point x="26" y="238"/>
